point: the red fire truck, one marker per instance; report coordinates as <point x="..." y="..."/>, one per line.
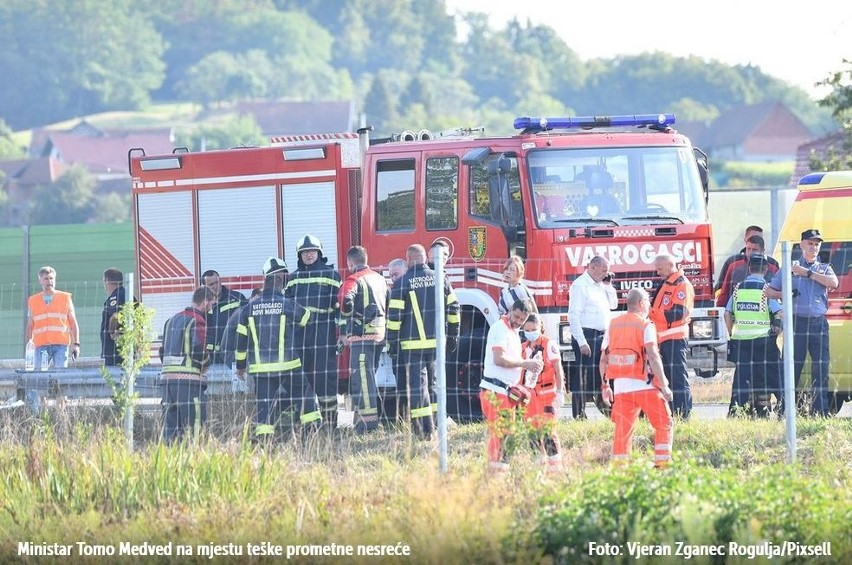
<point x="557" y="193"/>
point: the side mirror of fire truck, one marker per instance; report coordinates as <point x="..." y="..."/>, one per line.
<point x="703" y="163"/>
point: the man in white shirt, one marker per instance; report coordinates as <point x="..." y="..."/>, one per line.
<point x="590" y="301"/>
<point x="501" y="372"/>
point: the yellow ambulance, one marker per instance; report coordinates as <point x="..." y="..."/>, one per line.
<point x="824" y="202"/>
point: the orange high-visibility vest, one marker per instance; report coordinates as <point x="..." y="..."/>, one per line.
<point x="676" y="290"/>
<point x="50" y="321"/>
<point x="546" y="383"/>
<point x="626" y="348"/>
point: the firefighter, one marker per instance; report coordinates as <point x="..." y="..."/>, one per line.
<point x="227" y="302"/>
<point x="363" y="300"/>
<point x="673" y="300"/>
<point x="185" y="359"/>
<point x="753" y="321"/>
<point x="411" y="333"/>
<point x="315" y="285"/>
<point x="270" y="334"/>
<point x="547" y="390"/>
<point x="629" y="350"/>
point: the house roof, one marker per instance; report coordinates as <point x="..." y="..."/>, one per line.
<point x="735" y="124"/>
<point x="293" y="118"/>
<point x="31" y="171"/>
<point x="100" y="151"/>
<point x="819" y="147"/>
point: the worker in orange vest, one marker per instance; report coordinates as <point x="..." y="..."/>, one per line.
<point x="671" y="304"/>
<point x="51" y="323"/>
<point x="547" y="388"/>
<point x="629" y="349"/>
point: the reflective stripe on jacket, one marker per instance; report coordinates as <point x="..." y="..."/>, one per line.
<point x="362" y="298"/>
<point x="270" y="334"/>
<point x="671" y="305"/>
<point x="183" y="351"/>
<point x="626" y="348"/>
<point x="752" y="318"/>
<point x="411" y="311"/>
<point x="50" y="321"/>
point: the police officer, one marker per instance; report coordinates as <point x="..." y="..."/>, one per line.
<point x="672" y="302"/>
<point x="315" y="285"/>
<point x="270" y="334"/>
<point x="411" y="333"/>
<point x="811" y="280"/>
<point x="227" y="302"/>
<point x="753" y="321"/>
<point x="116" y="297"/>
<point x="363" y="299"/>
<point x="185" y="359"/>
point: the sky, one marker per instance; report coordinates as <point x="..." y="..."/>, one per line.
<point x="800" y="42"/>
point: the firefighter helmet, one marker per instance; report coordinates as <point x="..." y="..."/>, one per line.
<point x="309" y="243"/>
<point x="274" y="265"/>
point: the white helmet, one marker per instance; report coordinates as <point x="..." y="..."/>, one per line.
<point x="274" y="265"/>
<point x="309" y="243"/>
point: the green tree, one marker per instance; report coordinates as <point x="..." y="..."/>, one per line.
<point x="75" y="57"/>
<point x="9" y="148"/>
<point x="236" y="131"/>
<point x="839" y="100"/>
<point x="68" y="200"/>
<point x="111" y="208"/>
<point x="380" y="105"/>
<point x="417" y="92"/>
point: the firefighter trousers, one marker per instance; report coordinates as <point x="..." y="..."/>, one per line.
<point x="184" y="408"/>
<point x="319" y="364"/>
<point x="363" y="360"/>
<point x="625" y="412"/>
<point x="298" y="394"/>
<point x="419" y="368"/>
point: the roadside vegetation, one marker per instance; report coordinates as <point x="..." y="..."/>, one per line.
<point x="67" y="477"/>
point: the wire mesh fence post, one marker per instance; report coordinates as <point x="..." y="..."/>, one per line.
<point x="789" y="384"/>
<point x="25" y="281"/>
<point x="129" y="376"/>
<point x="440" y="355"/>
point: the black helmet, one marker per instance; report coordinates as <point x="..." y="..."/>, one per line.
<point x="309" y="243"/>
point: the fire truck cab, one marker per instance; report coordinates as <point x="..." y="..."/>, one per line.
<point x="557" y="193"/>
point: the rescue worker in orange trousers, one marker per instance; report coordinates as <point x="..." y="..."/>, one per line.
<point x="547" y="390"/>
<point x="672" y="301"/>
<point x="502" y="390"/>
<point x="629" y="350"/>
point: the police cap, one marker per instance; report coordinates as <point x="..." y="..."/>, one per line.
<point x="812" y="233"/>
<point x="757" y="260"/>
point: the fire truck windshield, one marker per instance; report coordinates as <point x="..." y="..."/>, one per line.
<point x="623" y="185"/>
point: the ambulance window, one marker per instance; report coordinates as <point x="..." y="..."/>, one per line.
<point x="442" y="193"/>
<point x="841" y="257"/>
<point x="395" y="195"/>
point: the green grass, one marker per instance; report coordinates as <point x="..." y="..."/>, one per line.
<point x="75" y="480"/>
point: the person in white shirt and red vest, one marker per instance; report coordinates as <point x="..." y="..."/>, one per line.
<point x="672" y="302"/>
<point x="591" y="299"/>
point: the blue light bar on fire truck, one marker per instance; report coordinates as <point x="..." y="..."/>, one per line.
<point x="584" y="122"/>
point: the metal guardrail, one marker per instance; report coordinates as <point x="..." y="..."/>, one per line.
<point x="89" y="382"/>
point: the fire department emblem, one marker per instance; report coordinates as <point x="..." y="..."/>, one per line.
<point x="476" y="243"/>
<point x="681" y="295"/>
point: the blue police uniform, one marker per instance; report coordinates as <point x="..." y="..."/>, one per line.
<point x="810" y="329"/>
